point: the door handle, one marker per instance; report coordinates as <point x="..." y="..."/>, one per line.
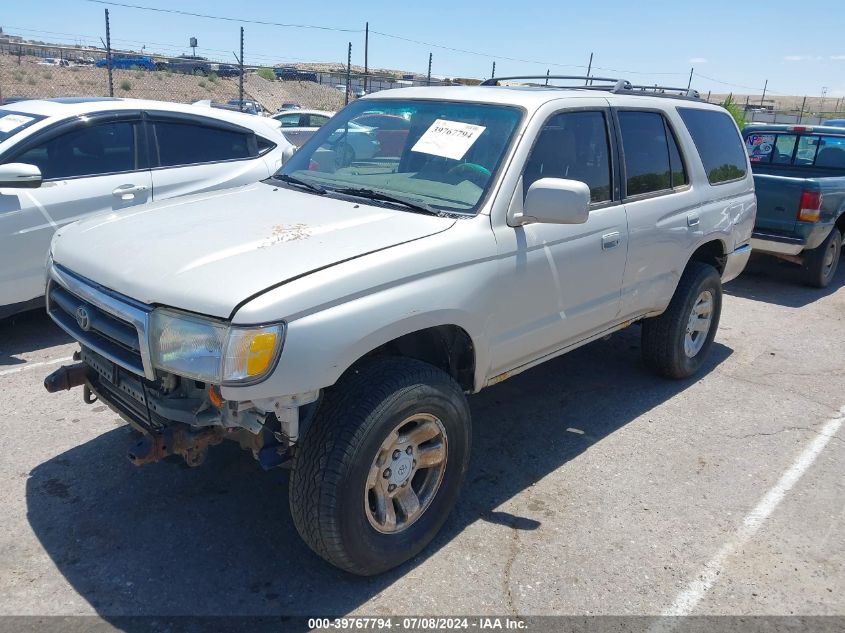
<point x="610" y="240"/>
<point x="127" y="192"/>
<point x="693" y="220"/>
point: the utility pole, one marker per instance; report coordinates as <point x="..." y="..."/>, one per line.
<point x="689" y="83"/>
<point x="108" y="55"/>
<point x="493" y="73"/>
<point x="801" y="113"/>
<point x="348" y="73"/>
<point x="241" y="74"/>
<point x="763" y="98"/>
<point x="367" y="51"/>
<point x="428" y="81"/>
<point x="589" y="69"/>
<point x="547" y="76"/>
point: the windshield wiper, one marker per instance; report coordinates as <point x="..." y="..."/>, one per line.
<point x="293" y="180"/>
<point x="372" y="194"/>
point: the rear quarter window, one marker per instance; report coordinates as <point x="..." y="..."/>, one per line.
<point x="718" y="143"/>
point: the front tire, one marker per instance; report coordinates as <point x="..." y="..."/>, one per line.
<point x="676" y="343"/>
<point x="380" y="467"/>
<point x="820" y="264"/>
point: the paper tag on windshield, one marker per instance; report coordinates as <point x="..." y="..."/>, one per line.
<point x="450" y="139"/>
<point x="13" y="121"/>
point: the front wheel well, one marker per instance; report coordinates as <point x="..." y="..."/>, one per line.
<point x="447" y="347"/>
<point x="712" y="253"/>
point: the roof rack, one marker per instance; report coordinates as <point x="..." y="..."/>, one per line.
<point x="616" y="86"/>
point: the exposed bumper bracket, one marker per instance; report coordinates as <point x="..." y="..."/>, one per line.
<point x="66" y="377"/>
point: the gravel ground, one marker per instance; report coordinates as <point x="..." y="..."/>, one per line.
<point x="595" y="488"/>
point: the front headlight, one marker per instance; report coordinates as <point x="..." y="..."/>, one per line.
<point x="212" y="351"/>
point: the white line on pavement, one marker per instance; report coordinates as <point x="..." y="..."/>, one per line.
<point x="25" y="366"/>
<point x="692" y="595"/>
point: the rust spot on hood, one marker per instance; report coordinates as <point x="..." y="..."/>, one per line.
<point x="287" y="233"/>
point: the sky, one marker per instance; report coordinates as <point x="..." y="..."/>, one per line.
<point x="733" y="47"/>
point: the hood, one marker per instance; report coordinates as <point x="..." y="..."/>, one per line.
<point x="207" y="253"/>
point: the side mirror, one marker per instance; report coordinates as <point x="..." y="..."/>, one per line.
<point x="20" y="176"/>
<point x="556" y="201"/>
<point x="287" y="153"/>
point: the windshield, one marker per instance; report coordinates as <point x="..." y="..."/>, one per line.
<point x="13" y="122"/>
<point x="436" y="154"/>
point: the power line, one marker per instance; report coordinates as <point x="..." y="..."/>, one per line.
<point x="382" y="33"/>
<point x="226" y="18"/>
<point x="513" y="59"/>
<point x="727" y="83"/>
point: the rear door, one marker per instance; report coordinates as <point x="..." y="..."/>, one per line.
<point x="662" y="208"/>
<point x="89" y="166"/>
<point x="189" y="154"/>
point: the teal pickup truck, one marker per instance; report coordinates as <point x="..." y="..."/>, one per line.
<point x="799" y="177"/>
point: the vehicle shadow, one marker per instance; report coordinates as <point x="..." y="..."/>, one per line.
<point x="770" y="280"/>
<point x="219" y="540"/>
<point x="28" y="332"/>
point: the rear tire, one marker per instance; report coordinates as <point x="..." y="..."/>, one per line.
<point x="341" y="474"/>
<point x="820" y="264"/>
<point x="676" y="343"/>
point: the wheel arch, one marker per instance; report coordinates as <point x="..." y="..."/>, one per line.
<point x="448" y="347"/>
<point x="712" y="252"/>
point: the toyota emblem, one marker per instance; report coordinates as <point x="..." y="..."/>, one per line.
<point x="83" y="319"/>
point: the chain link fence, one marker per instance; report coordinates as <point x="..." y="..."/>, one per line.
<point x="40" y="71"/>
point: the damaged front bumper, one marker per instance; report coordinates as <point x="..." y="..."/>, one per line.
<point x="177" y="416"/>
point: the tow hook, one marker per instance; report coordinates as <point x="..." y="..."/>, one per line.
<point x="66" y="377"/>
<point x="192" y="447"/>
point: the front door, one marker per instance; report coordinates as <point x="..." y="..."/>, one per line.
<point x="561" y="283"/>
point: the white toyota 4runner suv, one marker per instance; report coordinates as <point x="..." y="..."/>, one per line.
<point x="332" y="318"/>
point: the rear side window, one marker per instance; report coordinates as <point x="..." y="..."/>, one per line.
<point x="187" y="144"/>
<point x="821" y="151"/>
<point x="718" y="144"/>
<point x="573" y="145"/>
<point x="652" y="159"/>
<point x="264" y="145"/>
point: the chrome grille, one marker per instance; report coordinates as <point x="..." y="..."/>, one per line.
<point x="102" y="321"/>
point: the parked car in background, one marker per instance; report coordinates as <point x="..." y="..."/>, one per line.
<point x="835" y="123"/>
<point x="332" y="319"/>
<point x="226" y="70"/>
<point x="391" y="130"/>
<point x="289" y="73"/>
<point x="299" y="125"/>
<point x="248" y="106"/>
<point x="289" y="105"/>
<point x="355" y="142"/>
<point x="53" y="61"/>
<point x="799" y="177"/>
<point x="64" y="159"/>
<point x="127" y="62"/>
<point x="190" y="65"/>
<point x="13" y="99"/>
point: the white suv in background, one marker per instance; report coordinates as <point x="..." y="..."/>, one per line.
<point x="63" y="159"/>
